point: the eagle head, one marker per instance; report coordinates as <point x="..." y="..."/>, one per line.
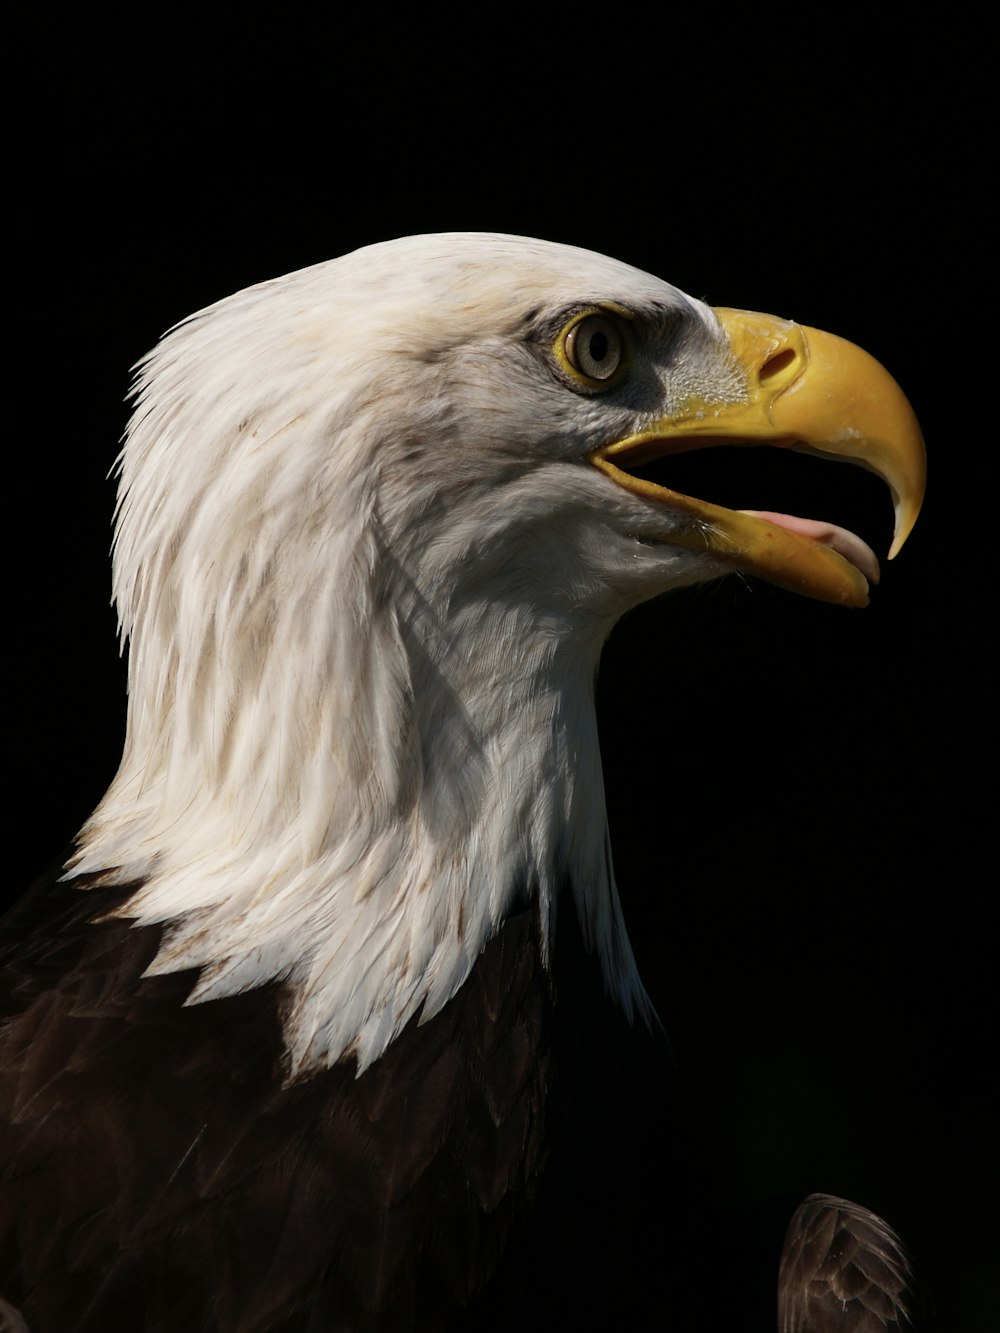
<point x="376" y="520"/>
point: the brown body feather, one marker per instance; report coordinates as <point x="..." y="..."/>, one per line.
<point x="161" y="1174"/>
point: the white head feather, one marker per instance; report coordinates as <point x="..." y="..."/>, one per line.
<point x="366" y="575"/>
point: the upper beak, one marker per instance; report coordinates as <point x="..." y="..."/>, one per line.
<point x="804" y="390"/>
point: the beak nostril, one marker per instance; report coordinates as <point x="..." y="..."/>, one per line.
<point x="777" y="364"/>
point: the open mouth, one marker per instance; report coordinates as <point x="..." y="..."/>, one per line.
<point x="777" y="485"/>
<point x="814" y="557"/>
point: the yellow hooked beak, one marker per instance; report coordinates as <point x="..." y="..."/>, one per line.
<point x="805" y="390"/>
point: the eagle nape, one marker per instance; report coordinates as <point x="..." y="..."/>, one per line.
<point x="286" y="1038"/>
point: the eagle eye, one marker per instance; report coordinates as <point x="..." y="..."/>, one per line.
<point x="592" y="347"/>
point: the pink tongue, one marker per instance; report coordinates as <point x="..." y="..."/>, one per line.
<point x="845" y="543"/>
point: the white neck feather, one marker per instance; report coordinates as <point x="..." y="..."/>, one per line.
<point x="355" y="732"/>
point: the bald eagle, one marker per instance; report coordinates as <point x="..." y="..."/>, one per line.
<point x="282" y="1037"/>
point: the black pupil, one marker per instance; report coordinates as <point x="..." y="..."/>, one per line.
<point x="598" y="346"/>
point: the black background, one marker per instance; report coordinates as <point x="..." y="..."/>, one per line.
<point x="795" y="790"/>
